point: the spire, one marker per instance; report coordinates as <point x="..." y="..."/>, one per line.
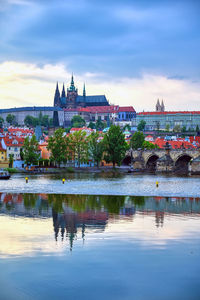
<point x="158" y="107"/>
<point x="63" y="92"/>
<point x="72" y="87"/>
<point x="84" y="91"/>
<point x="57" y="96"/>
<point x="162" y="106"/>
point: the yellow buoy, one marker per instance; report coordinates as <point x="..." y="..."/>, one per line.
<point x="63" y="180"/>
<point x="157" y="183"/>
<point x="26" y="178"/>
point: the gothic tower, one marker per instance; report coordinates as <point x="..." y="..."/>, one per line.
<point x="162" y="106"/>
<point x="72" y="94"/>
<point x="57" y="96"/>
<point x="63" y="92"/>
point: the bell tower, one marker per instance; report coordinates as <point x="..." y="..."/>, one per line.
<point x="72" y="93"/>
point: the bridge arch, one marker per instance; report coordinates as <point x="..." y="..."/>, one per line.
<point x="181" y="164"/>
<point x="127" y="160"/>
<point x="151" y="162"/>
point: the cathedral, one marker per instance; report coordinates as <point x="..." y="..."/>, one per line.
<point x="160" y="107"/>
<point x="71" y="99"/>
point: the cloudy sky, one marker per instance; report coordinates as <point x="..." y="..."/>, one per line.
<point x="132" y="51"/>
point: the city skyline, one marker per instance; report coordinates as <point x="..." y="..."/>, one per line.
<point x="134" y="52"/>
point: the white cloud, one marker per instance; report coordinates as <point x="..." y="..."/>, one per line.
<point x="24" y="84"/>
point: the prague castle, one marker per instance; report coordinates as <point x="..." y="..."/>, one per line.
<point x="71" y="99"/>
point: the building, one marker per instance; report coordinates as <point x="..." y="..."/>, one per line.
<point x="111" y="114"/>
<point x="72" y="99"/>
<point x="13" y="146"/>
<point x="20" y="113"/>
<point x="160" y="107"/>
<point x="4" y="163"/>
<point x="162" y="120"/>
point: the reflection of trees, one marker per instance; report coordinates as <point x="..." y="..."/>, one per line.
<point x="30" y="200"/>
<point x="138" y="201"/>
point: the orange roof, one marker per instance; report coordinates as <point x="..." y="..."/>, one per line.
<point x="174" y="144"/>
<point x="9" y="141"/>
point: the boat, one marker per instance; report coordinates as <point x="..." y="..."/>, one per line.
<point x="4" y="174"/>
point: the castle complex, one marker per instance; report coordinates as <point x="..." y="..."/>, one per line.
<point x="73" y="100"/>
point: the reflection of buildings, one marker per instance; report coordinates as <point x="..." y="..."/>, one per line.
<point x="164" y="206"/>
<point x="76" y="215"/>
<point x="70" y="222"/>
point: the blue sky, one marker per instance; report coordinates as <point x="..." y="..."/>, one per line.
<point x="117" y="41"/>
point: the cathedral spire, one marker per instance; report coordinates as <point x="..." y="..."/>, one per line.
<point x="72" y="87"/>
<point x="57" y="96"/>
<point x="162" y="106"/>
<point x="84" y="91"/>
<point x="63" y="91"/>
<point x="158" y="107"/>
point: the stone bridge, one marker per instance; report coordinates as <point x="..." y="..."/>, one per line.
<point x="167" y="160"/>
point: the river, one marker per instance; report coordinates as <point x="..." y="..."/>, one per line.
<point x="98" y="236"/>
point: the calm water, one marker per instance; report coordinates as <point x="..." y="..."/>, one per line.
<point x="104" y="184"/>
<point x="61" y="246"/>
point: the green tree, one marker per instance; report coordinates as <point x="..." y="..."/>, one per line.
<point x="91" y="125"/>
<point x="115" y="145"/>
<point x="127" y="127"/>
<point x="183" y="129"/>
<point x="141" y="125"/>
<point x="31" y="154"/>
<point x="58" y="146"/>
<point x="28" y="120"/>
<point x="137" y="140"/>
<point x="77" y="122"/>
<point x="51" y="122"/>
<point x="148" y="145"/>
<point x="177" y="128"/>
<point x="21" y="154"/>
<point x="78" y="145"/>
<point x="11" y="160"/>
<point x="31" y="121"/>
<point x="167" y="127"/>
<point x="45" y="121"/>
<point x="11" y="119"/>
<point x="197" y="128"/>
<point x="1" y="122"/>
<point x="95" y="147"/>
<point x="100" y="125"/>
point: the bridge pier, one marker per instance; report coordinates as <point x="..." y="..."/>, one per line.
<point x="195" y="166"/>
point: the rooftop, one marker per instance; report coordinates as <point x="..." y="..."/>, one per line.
<point x="168" y="113"/>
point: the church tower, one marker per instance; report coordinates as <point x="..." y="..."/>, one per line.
<point x="63" y="92"/>
<point x="84" y="91"/>
<point x="57" y="96"/>
<point x="158" y="106"/>
<point x="72" y="94"/>
<point x="162" y="106"/>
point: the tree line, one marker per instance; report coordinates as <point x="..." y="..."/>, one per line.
<point x="81" y="148"/>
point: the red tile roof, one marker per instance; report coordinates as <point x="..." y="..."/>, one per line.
<point x="103" y="109"/>
<point x="126" y="109"/>
<point x="9" y="141"/>
<point x="174" y="144"/>
<point x="168" y="113"/>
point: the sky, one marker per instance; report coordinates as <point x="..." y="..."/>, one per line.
<point x="134" y="52"/>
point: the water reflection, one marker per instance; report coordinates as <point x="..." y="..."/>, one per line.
<point x="82" y="215"/>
